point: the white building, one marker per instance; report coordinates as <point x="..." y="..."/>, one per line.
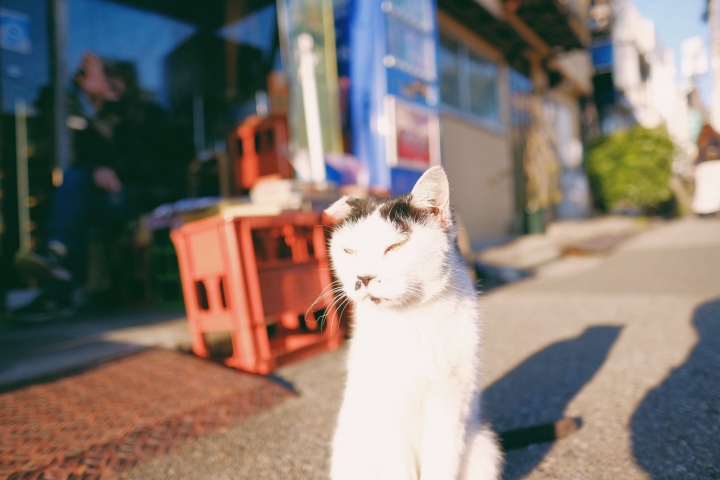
<point x="635" y="79"/>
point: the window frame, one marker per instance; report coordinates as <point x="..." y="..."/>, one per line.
<point x="464" y="111"/>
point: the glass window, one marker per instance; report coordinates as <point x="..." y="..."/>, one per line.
<point x="483" y="80"/>
<point x="412" y="49"/>
<point x="469" y="83"/>
<point x="27" y="102"/>
<point x="117" y="32"/>
<point x="203" y="63"/>
<point x="420" y="13"/>
<point x="449" y="70"/>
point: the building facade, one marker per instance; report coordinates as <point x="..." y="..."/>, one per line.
<point x="207" y="65"/>
<point x="496" y="60"/>
<point x="474" y="68"/>
<point x="635" y="74"/>
<point x="401" y="85"/>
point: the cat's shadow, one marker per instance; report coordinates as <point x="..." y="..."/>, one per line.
<point x="539" y="389"/>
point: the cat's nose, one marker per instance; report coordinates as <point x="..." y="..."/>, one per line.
<point x="365" y="279"/>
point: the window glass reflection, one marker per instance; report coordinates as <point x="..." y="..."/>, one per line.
<point x="449" y="70"/>
<point x="203" y="62"/>
<point x="119" y="32"/>
<point x="469" y="83"/>
<point x="484" y="101"/>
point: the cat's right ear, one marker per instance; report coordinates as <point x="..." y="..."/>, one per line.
<point x="341" y="209"/>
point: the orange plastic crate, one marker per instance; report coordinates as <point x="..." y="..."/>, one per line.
<point x="256" y="277"/>
<point x="259" y="147"/>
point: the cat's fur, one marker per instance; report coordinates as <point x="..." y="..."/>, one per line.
<point x="412" y="399"/>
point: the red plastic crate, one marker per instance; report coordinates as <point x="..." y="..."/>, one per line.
<point x="259" y="147"/>
<point x="256" y="277"/>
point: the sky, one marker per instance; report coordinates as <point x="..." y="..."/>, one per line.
<point x="675" y="21"/>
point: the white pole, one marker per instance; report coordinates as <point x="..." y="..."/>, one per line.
<point x="312" y="109"/>
<point x="23" y="189"/>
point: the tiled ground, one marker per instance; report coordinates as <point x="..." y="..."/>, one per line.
<point x="101" y="422"/>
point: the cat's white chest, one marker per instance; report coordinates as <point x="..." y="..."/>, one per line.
<point x="398" y="362"/>
<point x="396" y="358"/>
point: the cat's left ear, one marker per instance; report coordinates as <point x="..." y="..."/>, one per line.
<point x="432" y="192"/>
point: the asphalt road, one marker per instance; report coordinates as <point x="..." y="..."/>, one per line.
<point x="631" y="347"/>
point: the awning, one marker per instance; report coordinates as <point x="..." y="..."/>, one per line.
<point x="554" y="21"/>
<point x="492" y="29"/>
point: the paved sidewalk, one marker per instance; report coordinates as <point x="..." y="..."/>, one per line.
<point x="631" y="346"/>
<point x="29" y="352"/>
<point x="101" y="422"/>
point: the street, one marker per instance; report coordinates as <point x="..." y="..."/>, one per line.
<point x="632" y="348"/>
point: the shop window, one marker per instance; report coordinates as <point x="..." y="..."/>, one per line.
<point x="483" y="89"/>
<point x="469" y="84"/>
<point x="203" y="62"/>
<point x="26" y="90"/>
<point x="449" y="71"/>
<point x="118" y="32"/>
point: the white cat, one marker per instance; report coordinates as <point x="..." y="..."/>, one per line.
<point x="412" y="400"/>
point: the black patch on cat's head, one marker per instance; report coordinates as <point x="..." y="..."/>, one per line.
<point x="360" y="208"/>
<point x="402" y="213"/>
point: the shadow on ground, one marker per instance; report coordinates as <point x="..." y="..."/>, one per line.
<point x="29" y="352"/>
<point x="539" y="389"/>
<point x="675" y="429"/>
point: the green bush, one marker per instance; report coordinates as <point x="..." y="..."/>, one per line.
<point x="631" y="169"/>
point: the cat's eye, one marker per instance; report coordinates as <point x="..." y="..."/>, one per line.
<point x="349" y="251"/>
<point x="395" y="246"/>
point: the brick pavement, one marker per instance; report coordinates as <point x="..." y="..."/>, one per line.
<point x="104" y="421"/>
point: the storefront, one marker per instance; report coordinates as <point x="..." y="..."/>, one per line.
<point x="400" y="86"/>
<point x="206" y="65"/>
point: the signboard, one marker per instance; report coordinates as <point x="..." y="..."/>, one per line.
<point x="412" y="144"/>
<point x="414" y="12"/>
<point x="410" y="50"/>
<point x="413" y="136"/>
<point x="392" y="102"/>
<point x="15" y="31"/>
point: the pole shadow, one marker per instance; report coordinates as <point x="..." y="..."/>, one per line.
<point x="539" y="389"/>
<point x="675" y="428"/>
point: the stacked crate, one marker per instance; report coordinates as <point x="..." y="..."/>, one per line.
<point x="265" y="280"/>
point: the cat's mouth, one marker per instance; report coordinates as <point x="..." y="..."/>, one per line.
<point x="375" y="300"/>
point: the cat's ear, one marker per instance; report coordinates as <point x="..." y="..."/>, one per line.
<point x="340" y="209"/>
<point x="432" y="192"/>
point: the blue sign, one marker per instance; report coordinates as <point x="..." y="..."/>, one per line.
<point x="393" y="64"/>
<point x="602" y="55"/>
<point x="15" y="31"/>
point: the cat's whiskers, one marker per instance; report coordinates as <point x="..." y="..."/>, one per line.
<point x="338" y="294"/>
<point x="335" y="291"/>
<point x="344" y="305"/>
<point x="461" y="290"/>
<point x="323" y="293"/>
<point x="338" y="303"/>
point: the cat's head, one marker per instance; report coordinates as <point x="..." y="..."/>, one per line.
<point x="394" y="253"/>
